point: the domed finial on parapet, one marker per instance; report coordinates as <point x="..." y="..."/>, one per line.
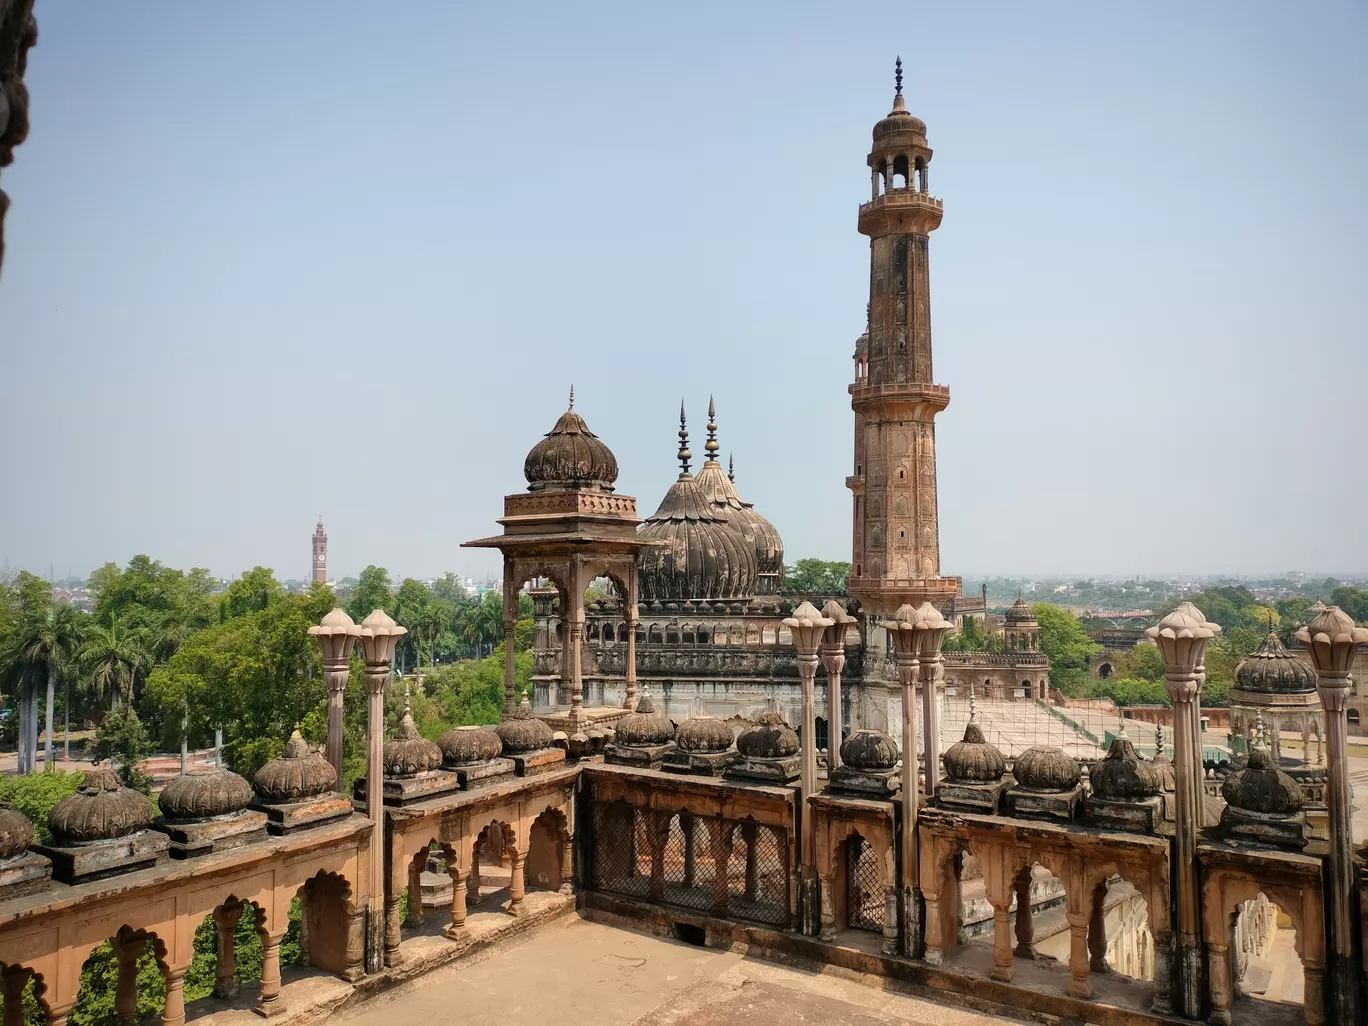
<point x="711" y="446"/>
<point x="684" y="454"/>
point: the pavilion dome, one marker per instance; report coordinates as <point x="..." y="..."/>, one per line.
<point x="1262" y="787"/>
<point x="1273" y="669"/>
<point x="570" y="457"/>
<point x="869" y="750"/>
<point x="973" y="760"/>
<point x="296" y="775"/>
<point x="522" y="732"/>
<point x="644" y="727"/>
<point x="219" y="792"/>
<point x="704" y="557"/>
<point x="899" y="120"/>
<point x="1046" y="768"/>
<point x="768" y="738"/>
<point x="409" y="753"/>
<point x="1020" y="612"/>
<point x="462" y="745"/>
<point x="16" y="833"/>
<point x="100" y="810"/>
<point x="1123" y="776"/>
<point x="704" y="734"/>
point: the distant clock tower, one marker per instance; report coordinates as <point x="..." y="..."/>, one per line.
<point x="320" y="554"/>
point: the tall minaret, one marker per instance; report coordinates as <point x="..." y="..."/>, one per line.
<point x="896" y="544"/>
<point x="320" y="553"/>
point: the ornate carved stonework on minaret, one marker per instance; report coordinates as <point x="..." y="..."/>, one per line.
<point x="320" y="554"/>
<point x="896" y="546"/>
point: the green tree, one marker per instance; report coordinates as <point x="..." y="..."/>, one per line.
<point x="1068" y="646"/>
<point x="372" y="591"/>
<point x="1143" y="662"/>
<point x="815" y="577"/>
<point x="123" y="740"/>
<point x="973" y="637"/>
<point x="1353" y="601"/>
<point x="47" y="642"/>
<point x="110" y="658"/>
<point x="250" y="593"/>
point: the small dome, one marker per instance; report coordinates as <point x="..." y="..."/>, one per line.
<point x="869" y="750"/>
<point x="410" y="753"/>
<point x="1262" y="787"/>
<point x="220" y="792"/>
<point x="16" y="833"/>
<point x="296" y="775"/>
<point x="1272" y="668"/>
<point x="1123" y="776"/>
<point x="973" y="760"/>
<point x="1046" y="768"/>
<point x="704" y="734"/>
<point x="463" y="745"/>
<point x="768" y="738"/>
<point x="1020" y="612"/>
<point x="570" y="457"/>
<point x="644" y="728"/>
<point x="523" y="732"/>
<point x="100" y="810"/>
<point x="1164" y="770"/>
<point x="899" y="120"/>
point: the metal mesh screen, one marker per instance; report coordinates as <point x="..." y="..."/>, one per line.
<point x="864" y="889"/>
<point x="688" y="863"/>
<point x="622" y="856"/>
<point x="757" y="875"/>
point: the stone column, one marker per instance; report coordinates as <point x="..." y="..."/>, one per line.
<point x="1163" y="971"/>
<point x="874" y="184"/>
<point x="392" y="928"/>
<point x="517" y="882"/>
<point x="1182" y="637"/>
<point x="456" y="928"/>
<point x="720" y="838"/>
<point x="827" y="930"/>
<point x="1025" y="928"/>
<point x="414" y="918"/>
<point x="510" y="623"/>
<point x="686" y="825"/>
<point x="629" y="609"/>
<point x="270" y="1004"/>
<point x="1313" y="993"/>
<point x="1080" y="985"/>
<point x="13" y="982"/>
<point x="336" y="638"/>
<point x="57" y="1014"/>
<point x="577" y="585"/>
<point x="1332" y="640"/>
<point x="174" y="1012"/>
<point x="749" y="833"/>
<point x="567" y="869"/>
<point x="1219" y="969"/>
<point x="379" y="635"/>
<point x="833" y="661"/>
<point x="805" y="627"/>
<point x="1002" y="942"/>
<point x="127" y="951"/>
<point x="1097" y="931"/>
<point x="930" y="667"/>
<point x="225" y="924"/>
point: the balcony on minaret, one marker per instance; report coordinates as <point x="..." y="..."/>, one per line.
<point x="900" y="210"/>
<point x="924" y="400"/>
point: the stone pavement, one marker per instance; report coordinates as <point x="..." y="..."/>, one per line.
<point x="577" y="973"/>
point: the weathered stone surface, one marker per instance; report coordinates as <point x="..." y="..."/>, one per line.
<point x="22" y="874"/>
<point x="296" y="775"/>
<point x="463" y="746"/>
<point x="709" y="763"/>
<point x="101" y="809"/>
<point x="97" y="859"/>
<point x="982" y="797"/>
<point x="415" y="787"/>
<point x="870" y="783"/>
<point x="192" y="838"/>
<point x="1030" y="803"/>
<point x="1138" y="815"/>
<point x="643" y="756"/>
<point x="529" y="764"/>
<point x="203" y="795"/>
<point x="408" y="753"/>
<point x="286" y="817"/>
<point x="780" y="770"/>
<point x="479" y="774"/>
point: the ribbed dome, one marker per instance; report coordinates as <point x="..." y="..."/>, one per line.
<point x="463" y="745"/>
<point x="16" y="833"/>
<point x="869" y="750"/>
<point x="1020" y="611"/>
<point x="768" y="738"/>
<point x="1272" y="668"/>
<point x="570" y="457"/>
<point x="1046" y="768"/>
<point x="1123" y="776"/>
<point x="220" y="792"/>
<point x="899" y="120"/>
<point x="409" y="753"/>
<point x="1163" y="769"/>
<point x="296" y="775"/>
<point x="523" y="732"/>
<point x="100" y="810"/>
<point x="704" y="557"/>
<point x="1262" y="787"/>
<point x="645" y="727"/>
<point x="973" y="760"/>
<point x="705" y="734"/>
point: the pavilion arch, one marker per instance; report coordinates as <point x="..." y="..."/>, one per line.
<point x="550" y="852"/>
<point x="413" y="867"/>
<point x="837" y="826"/>
<point x="654" y="635"/>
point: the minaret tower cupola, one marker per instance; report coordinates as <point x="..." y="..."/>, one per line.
<point x="896" y="543"/>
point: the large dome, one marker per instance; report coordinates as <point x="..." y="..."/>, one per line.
<point x="704" y="557"/>
<point x="760" y="534"/>
<point x="1272" y="668"/>
<point x="570" y="457"/>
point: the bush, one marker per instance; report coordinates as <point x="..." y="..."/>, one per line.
<point x="1129" y="691"/>
<point x="35" y="794"/>
<point x="123" y="740"/>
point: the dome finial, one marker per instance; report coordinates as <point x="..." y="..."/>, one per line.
<point x="973" y="710"/>
<point x="897" y="76"/>
<point x="731" y="467"/>
<point x="572" y="396"/>
<point x="711" y="446"/>
<point x="684" y="454"/>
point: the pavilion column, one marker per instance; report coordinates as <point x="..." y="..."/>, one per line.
<point x="720" y="833"/>
<point x="57" y="1014"/>
<point x="1097" y="931"/>
<point x="379" y="635"/>
<point x="517" y="882"/>
<point x="629" y="607"/>
<point x="456" y="928"/>
<point x="833" y="661"/>
<point x="510" y="622"/>
<point x="1163" y="971"/>
<point x="1002" y="942"/>
<point x="1182" y="637"/>
<point x="269" y="1003"/>
<point x="13" y="981"/>
<point x="1025" y="928"/>
<point x="174" y="1012"/>
<point x="805" y="627"/>
<point x="336" y="636"/>
<point x="414" y="918"/>
<point x="1332" y="640"/>
<point x="127" y="950"/>
<point x="225" y="926"/>
<point x="911" y="861"/>
<point x="931" y="674"/>
<point x="577" y="585"/>
<point x="1079" y="985"/>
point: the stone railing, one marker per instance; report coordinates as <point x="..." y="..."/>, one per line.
<point x="904" y="197"/>
<point x="957" y="659"/>
<point x="569" y="503"/>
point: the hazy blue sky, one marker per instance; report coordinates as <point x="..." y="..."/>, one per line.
<point x="272" y="260"/>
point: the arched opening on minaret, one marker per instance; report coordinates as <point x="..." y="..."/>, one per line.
<point x="901" y="175"/>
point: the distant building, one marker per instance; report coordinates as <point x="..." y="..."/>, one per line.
<point x="320" y="554"/>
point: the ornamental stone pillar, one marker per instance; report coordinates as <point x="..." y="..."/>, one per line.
<point x="510" y="624"/>
<point x="577" y="586"/>
<point x="833" y="661"/>
<point x="629" y="608"/>
<point x="903" y="632"/>
<point x="379" y="635"/>
<point x="269" y="1003"/>
<point x="1182" y="638"/>
<point x="226" y="918"/>
<point x="930" y="628"/>
<point x="1332" y="640"/>
<point x="806" y="626"/>
<point x="336" y="636"/>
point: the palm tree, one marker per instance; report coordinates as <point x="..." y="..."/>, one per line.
<point x="111" y="656"/>
<point x="17" y="677"/>
<point x="48" y="642"/>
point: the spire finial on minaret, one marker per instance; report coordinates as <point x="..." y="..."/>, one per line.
<point x="731" y="467"/>
<point x="684" y="454"/>
<point x="711" y="446"/>
<point x="572" y="397"/>
<point x="897" y="76"/>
